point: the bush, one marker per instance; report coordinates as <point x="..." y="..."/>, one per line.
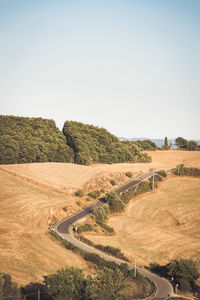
<point x="114" y="202"/>
<point x="65" y="208"/>
<point x="163" y="173"/>
<point x="78" y="203"/>
<point x="94" y="194"/>
<point x="79" y="193"/>
<point x="113" y="182"/>
<point x="85" y="227"/>
<point x="181" y="170"/>
<point x="129" y="174"/>
<point x="106" y="227"/>
<point x="101" y="214"/>
<point x="112" y="251"/>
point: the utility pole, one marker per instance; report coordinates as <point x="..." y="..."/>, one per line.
<point x="38" y="294"/>
<point x="135" y="269"/>
<point x="153" y="181"/>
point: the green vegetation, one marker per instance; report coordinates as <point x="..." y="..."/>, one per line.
<point x="113" y="182"/>
<point x="26" y="140"/>
<point x="114" y="202"/>
<point x="181" y="170"/>
<point x="68" y="281"/>
<point x="79" y="193"/>
<point x="166" y="145"/>
<point x="93" y="144"/>
<point x="98" y="287"/>
<point x="142" y="187"/>
<point x="129" y="174"/>
<point x="101" y="214"/>
<point x="106" y="227"/>
<point x="182" y="273"/>
<point x="85" y="227"/>
<point x="8" y="289"/>
<point x="146" y="145"/>
<point x="94" y="194"/>
<point x="184" y="144"/>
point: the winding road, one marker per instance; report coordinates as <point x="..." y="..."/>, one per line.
<point x="164" y="287"/>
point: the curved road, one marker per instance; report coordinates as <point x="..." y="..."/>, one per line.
<point x="164" y="287"/>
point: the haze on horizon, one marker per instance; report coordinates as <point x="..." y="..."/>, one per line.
<point x="131" y="67"/>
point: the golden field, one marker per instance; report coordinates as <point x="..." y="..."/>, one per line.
<point x="159" y="226"/>
<point x="32" y="196"/>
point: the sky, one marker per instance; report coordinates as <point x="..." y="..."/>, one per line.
<point x="130" y="66"/>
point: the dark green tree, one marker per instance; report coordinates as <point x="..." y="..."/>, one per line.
<point x="114" y="202"/>
<point x="8" y="289"/>
<point x="192" y="146"/>
<point x="184" y="272"/>
<point x="181" y="143"/>
<point x="106" y="285"/>
<point x="67" y="283"/>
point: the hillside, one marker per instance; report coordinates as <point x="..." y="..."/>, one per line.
<point x="34" y="195"/>
<point x="159" y="226"/>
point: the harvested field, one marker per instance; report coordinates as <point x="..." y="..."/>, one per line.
<point x="33" y="195"/>
<point x="66" y="177"/>
<point x="26" y="251"/>
<point x="159" y="226"/>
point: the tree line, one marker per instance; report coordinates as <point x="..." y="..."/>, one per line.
<point x="26" y="140"/>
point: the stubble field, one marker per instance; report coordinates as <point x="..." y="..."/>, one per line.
<point x="33" y="195"/>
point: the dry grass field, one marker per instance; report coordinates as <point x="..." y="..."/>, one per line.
<point x="33" y="195"/>
<point x="26" y="252"/>
<point x="159" y="226"/>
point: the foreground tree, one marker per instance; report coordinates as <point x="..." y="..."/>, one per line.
<point x="67" y="283"/>
<point x="106" y="285"/>
<point x="8" y="289"/>
<point x="184" y="272"/>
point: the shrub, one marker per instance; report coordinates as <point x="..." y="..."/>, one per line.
<point x="85" y="227"/>
<point x="181" y="170"/>
<point x="78" y="203"/>
<point x="114" y="202"/>
<point x="79" y="193"/>
<point x="106" y="227"/>
<point x="102" y="191"/>
<point x="101" y="214"/>
<point x="129" y="174"/>
<point x="65" y="208"/>
<point x="113" y="251"/>
<point x="94" y="194"/>
<point x="163" y="173"/>
<point x="112" y="181"/>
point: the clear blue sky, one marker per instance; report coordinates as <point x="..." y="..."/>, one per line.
<point x="132" y="67"/>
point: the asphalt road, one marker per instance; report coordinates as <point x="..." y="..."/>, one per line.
<point x="164" y="287"/>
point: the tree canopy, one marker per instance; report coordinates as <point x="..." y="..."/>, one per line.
<point x="25" y="140"/>
<point x="93" y="144"/>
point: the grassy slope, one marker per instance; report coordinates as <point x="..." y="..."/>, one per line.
<point x="28" y="203"/>
<point x="26" y="252"/>
<point x="148" y="229"/>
